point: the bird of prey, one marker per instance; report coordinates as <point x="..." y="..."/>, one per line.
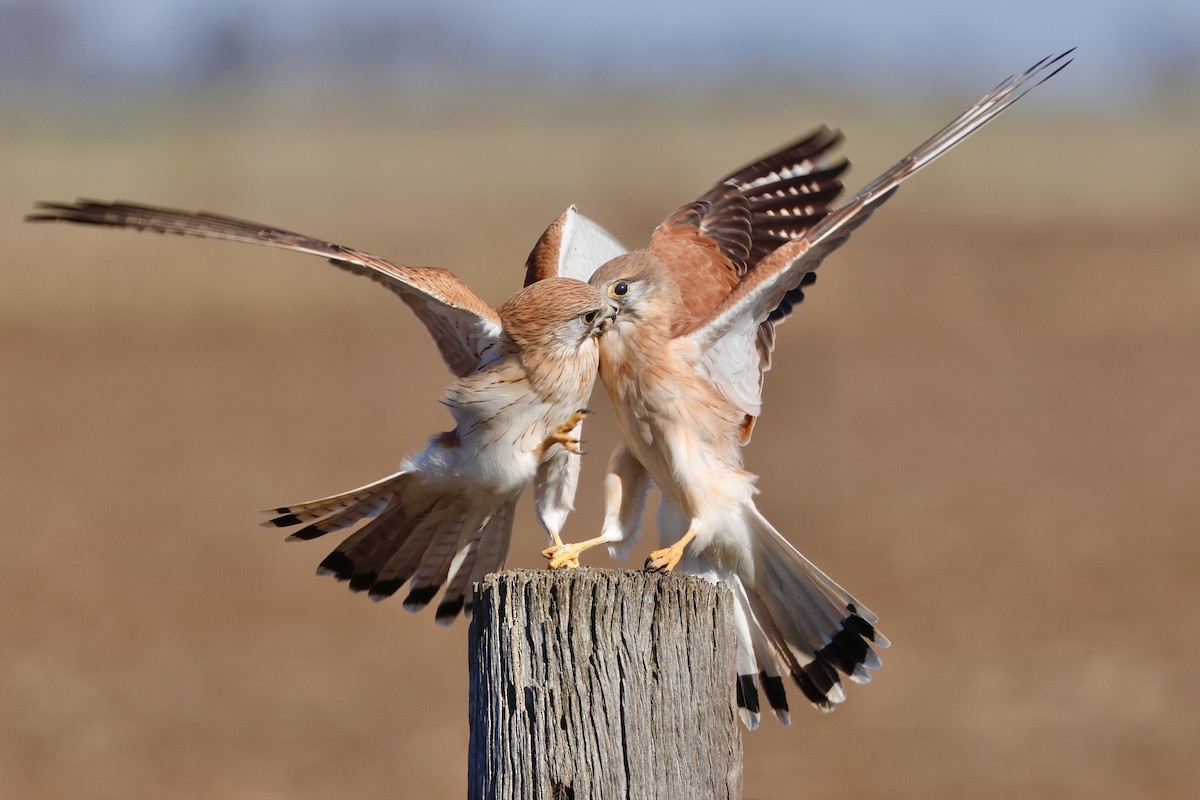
<point x="523" y="373"/>
<point x="683" y="363"/>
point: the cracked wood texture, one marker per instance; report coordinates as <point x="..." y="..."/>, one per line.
<point x="589" y="684"/>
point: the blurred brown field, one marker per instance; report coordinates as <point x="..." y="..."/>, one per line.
<point x="984" y="422"/>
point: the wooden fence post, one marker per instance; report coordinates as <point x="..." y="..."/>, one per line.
<point x="598" y="684"/>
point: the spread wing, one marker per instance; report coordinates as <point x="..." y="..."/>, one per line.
<point x="574" y="246"/>
<point x="726" y="338"/>
<point x="731" y="227"/>
<point x="465" y="328"/>
<point x="751" y="212"/>
<point x="769" y="202"/>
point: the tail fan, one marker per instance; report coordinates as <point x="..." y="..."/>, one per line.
<point x="417" y="534"/>
<point x="493" y="548"/>
<point x="337" y="511"/>
<point x="759" y="676"/>
<point x="802" y="624"/>
<point x="481" y="552"/>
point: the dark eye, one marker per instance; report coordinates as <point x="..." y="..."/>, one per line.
<point x="590" y="316"/>
<point x="620" y="289"/>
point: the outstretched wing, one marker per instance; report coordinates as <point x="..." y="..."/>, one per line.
<point x="465" y="328"/>
<point x="574" y="246"/>
<point x="767" y="203"/>
<point x="731" y="227"/>
<point x="726" y="337"/>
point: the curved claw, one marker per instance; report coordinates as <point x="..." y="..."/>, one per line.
<point x="665" y="560"/>
<point x="562" y="434"/>
<point x="662" y="560"/>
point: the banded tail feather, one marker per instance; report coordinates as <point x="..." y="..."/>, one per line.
<point x="818" y="627"/>
<point x="427" y="536"/>
<point x="757" y="666"/>
<point x="326" y="507"/>
<point x="792" y="623"/>
<point x="481" y="552"/>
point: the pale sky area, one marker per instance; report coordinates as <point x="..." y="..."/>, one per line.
<point x="1126" y="49"/>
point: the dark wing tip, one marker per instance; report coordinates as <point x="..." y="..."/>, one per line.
<point x="1061" y="66"/>
<point x="362" y="581"/>
<point x="53" y="211"/>
<point x="337" y="565"/>
<point x="419" y="597"/>
<point x="285" y="520"/>
<point x="308" y="533"/>
<point x="448" y="610"/>
<point x="384" y="589"/>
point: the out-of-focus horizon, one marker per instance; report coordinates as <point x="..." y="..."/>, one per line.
<point x="61" y="49"/>
<point x="982" y="421"/>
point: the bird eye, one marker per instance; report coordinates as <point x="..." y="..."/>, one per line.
<point x="590" y="316"/>
<point x="620" y="289"/>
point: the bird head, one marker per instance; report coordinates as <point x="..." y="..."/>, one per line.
<point x="635" y="284"/>
<point x="556" y="315"/>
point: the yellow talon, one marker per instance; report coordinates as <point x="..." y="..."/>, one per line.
<point x="561" y="556"/>
<point x="665" y="560"/>
<point x="566" y="556"/>
<point x="562" y="434"/>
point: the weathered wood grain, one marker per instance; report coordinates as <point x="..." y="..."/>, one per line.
<point x="590" y="684"/>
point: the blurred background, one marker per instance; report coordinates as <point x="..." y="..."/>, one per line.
<point x="983" y="421"/>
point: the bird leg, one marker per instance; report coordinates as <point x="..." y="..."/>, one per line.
<point x="665" y="560"/>
<point x="562" y="434"/>
<point x="566" y="556"/>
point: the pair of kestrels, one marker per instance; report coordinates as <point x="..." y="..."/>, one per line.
<point x="681" y="334"/>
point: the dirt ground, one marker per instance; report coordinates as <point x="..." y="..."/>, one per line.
<point x="984" y="422"/>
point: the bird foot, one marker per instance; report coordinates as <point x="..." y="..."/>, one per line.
<point x="665" y="560"/>
<point x="562" y="556"/>
<point x="562" y="434"/>
<point x="566" y="556"/>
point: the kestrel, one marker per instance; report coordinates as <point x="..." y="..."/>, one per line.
<point x="523" y="373"/>
<point x="683" y="364"/>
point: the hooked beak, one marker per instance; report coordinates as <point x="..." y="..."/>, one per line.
<point x="606" y="320"/>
